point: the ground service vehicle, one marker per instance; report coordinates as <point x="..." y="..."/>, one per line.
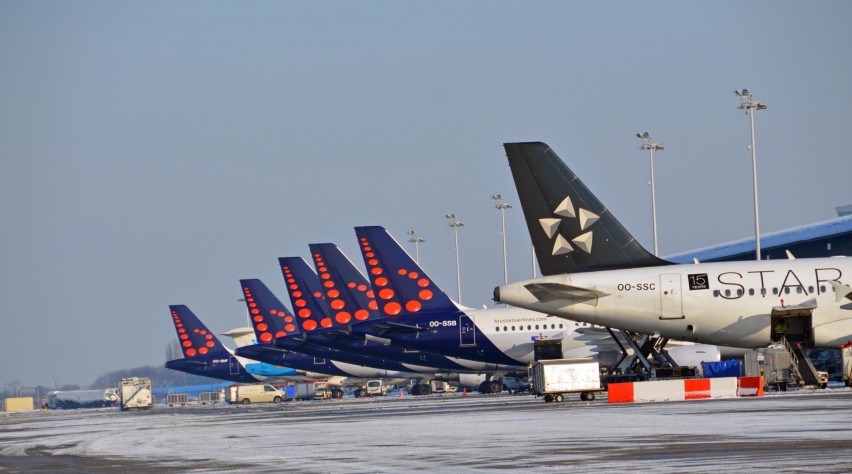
<point x="315" y="391"/>
<point x="135" y="392"/>
<point x="555" y="377"/>
<point x="846" y="354"/>
<point x="255" y="393"/>
<point x="67" y="399"/>
<point x="374" y="388"/>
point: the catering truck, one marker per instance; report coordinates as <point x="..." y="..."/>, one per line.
<point x="554" y="378"/>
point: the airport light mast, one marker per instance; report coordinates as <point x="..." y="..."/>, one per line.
<point x="648" y="144"/>
<point x="750" y="106"/>
<point x="500" y="203"/>
<point x="455" y="223"/>
<point x="416" y="240"/>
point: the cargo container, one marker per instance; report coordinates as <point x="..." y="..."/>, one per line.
<point x="556" y="377"/>
<point x="135" y="392"/>
<point x="71" y="399"/>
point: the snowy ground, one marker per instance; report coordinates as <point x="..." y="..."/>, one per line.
<point x="808" y="431"/>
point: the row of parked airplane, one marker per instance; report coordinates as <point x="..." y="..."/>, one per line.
<point x="397" y="324"/>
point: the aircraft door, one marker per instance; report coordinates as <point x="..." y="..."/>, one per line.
<point x="233" y="365"/>
<point x="671" y="303"/>
<point x="467" y="331"/>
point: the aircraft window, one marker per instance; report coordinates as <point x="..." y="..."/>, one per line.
<point x="715" y="293"/>
<point x="775" y="291"/>
<point x="739" y="292"/>
<point x="560" y="325"/>
<point x="751" y="291"/>
<point x="822" y="288"/>
<point x="267" y="388"/>
<point x="810" y="289"/>
<point x="727" y="292"/>
<point x="799" y="290"/>
<point x="513" y="328"/>
<point x="763" y="291"/>
<point x="498" y="328"/>
<point x="536" y="327"/>
<point x="787" y="290"/>
<point x="529" y="327"/>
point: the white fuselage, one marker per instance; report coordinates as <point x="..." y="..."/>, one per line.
<point x="726" y="303"/>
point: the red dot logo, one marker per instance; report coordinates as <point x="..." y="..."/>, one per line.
<point x="202" y="351"/>
<point x="191" y="352"/>
<point x="304" y="313"/>
<point x="210" y="344"/>
<point x="362" y="314"/>
<point x="402" y="271"/>
<point x="386" y="293"/>
<point x="333" y="293"/>
<point x="362" y="287"/>
<point x="262" y="327"/>
<point x="393" y="308"/>
<point x="257" y="319"/>
<point x="309" y="325"/>
<point x="326" y="322"/>
<point x="351" y="284"/>
<point x="413" y="275"/>
<point x="297" y="294"/>
<point x="280" y="334"/>
<point x="300" y="303"/>
<point x="266" y="337"/>
<point x="187" y="343"/>
<point x="425" y="295"/>
<point x="413" y="306"/>
<point x="328" y="284"/>
<point x="423" y="283"/>
<point x="376" y="271"/>
<point x="337" y="304"/>
<point x="343" y="317"/>
<point x="290" y="327"/>
<point x="381" y="281"/>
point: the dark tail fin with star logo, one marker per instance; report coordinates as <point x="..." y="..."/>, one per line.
<point x="570" y="229"/>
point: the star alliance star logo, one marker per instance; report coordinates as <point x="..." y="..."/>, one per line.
<point x="565" y="209"/>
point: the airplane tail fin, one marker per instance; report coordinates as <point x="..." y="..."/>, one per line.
<point x="402" y="287"/>
<point x="196" y="341"/>
<point x="306" y="293"/>
<point x="570" y="229"/>
<point x="269" y="317"/>
<point x="350" y="295"/>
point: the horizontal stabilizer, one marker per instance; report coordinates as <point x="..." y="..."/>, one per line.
<point x="803" y="309"/>
<point x="547" y="292"/>
<point x="385" y="328"/>
<point x="841" y="291"/>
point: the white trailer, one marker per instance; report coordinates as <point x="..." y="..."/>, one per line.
<point x="555" y="377"/>
<point x="846" y="354"/>
<point x="136" y="393"/>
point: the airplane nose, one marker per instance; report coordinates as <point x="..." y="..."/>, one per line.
<point x="496" y="294"/>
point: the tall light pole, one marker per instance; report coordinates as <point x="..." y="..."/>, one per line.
<point x="750" y="106"/>
<point x="648" y="144"/>
<point x="416" y="240"/>
<point x="455" y="224"/>
<point x="501" y="204"/>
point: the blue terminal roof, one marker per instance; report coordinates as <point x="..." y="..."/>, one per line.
<point x="840" y="227"/>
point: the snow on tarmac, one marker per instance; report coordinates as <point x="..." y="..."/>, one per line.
<point x="796" y="432"/>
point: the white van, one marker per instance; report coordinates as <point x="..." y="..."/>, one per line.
<point x="246" y="394"/>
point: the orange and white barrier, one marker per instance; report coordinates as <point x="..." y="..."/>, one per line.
<point x="685" y="389"/>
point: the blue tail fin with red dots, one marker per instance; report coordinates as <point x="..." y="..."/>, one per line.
<point x="350" y="297"/>
<point x="269" y="317"/>
<point x="196" y="340"/>
<point x="203" y="353"/>
<point x="402" y="288"/>
<point x="306" y="293"/>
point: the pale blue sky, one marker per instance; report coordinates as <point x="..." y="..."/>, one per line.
<point x="153" y="153"/>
